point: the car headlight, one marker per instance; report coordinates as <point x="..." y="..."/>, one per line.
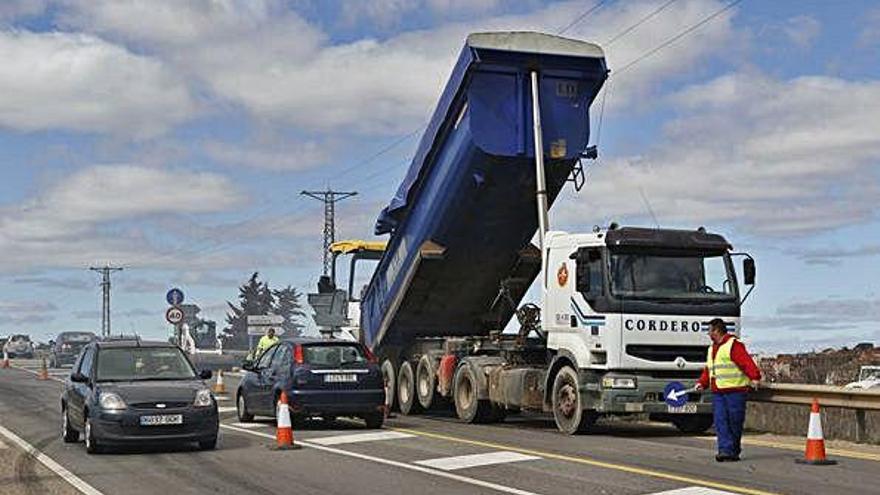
<point x="618" y="382"/>
<point x="111" y="402"/>
<point x="203" y="398"/>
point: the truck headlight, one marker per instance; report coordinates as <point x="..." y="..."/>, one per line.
<point x="203" y="398"/>
<point x="618" y="382"/>
<point x="111" y="402"/>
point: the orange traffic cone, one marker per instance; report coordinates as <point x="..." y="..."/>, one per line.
<point x="284" y="431"/>
<point x="219" y="386"/>
<point x="5" y="363"/>
<point x="43" y="374"/>
<point x="815" y="452"/>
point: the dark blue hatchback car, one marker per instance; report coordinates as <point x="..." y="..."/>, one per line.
<point x="326" y="378"/>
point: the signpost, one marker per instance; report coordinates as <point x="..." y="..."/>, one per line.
<point x="174" y="315"/>
<point x="174" y="296"/>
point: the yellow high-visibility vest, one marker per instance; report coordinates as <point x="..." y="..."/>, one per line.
<point x="725" y="372"/>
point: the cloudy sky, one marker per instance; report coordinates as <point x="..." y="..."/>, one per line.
<point x="172" y="138"/>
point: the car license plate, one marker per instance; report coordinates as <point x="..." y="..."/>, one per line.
<point x="340" y="378"/>
<point x="685" y="409"/>
<point x="162" y="419"/>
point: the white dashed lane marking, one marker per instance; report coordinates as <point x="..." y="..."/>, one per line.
<point x="225" y="409"/>
<point x="476" y="460"/>
<point x="360" y="437"/>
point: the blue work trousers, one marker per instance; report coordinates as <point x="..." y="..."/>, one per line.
<point x="730" y="414"/>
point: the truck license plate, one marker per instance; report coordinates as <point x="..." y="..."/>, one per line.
<point x="340" y="378"/>
<point x="685" y="409"/>
<point x="162" y="419"/>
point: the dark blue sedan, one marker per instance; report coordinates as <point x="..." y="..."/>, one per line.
<point x="326" y="378"/>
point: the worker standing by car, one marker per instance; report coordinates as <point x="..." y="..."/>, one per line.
<point x="729" y="372"/>
<point x="266" y="341"/>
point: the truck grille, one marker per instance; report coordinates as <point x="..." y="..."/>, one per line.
<point x="668" y="353"/>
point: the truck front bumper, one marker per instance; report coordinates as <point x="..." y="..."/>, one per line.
<point x="646" y="397"/>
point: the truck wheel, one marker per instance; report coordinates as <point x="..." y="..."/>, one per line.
<point x="568" y="411"/>
<point x="693" y="424"/>
<point x="406" y="390"/>
<point x="389" y="378"/>
<point x="426" y="382"/>
<point x="465" y="392"/>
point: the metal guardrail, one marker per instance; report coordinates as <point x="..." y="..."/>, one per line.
<point x="828" y="396"/>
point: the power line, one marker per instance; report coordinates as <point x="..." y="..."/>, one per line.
<point x="329" y="198"/>
<point x="105" y="272"/>
<point x="581" y="17"/>
<point x="639" y="22"/>
<point x="678" y="36"/>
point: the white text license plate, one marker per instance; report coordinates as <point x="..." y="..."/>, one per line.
<point x="685" y="409"/>
<point x="340" y="378"/>
<point x="162" y="419"/>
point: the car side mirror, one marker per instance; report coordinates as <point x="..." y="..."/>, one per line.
<point x="78" y="377"/>
<point x="206" y="374"/>
<point x="749" y="271"/>
<point x="247" y="365"/>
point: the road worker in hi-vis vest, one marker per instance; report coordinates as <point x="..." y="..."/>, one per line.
<point x="730" y="371"/>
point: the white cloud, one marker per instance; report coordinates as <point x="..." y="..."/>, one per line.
<point x="289" y="157"/>
<point x="802" y="30"/>
<point x="16" y="312"/>
<point x="775" y="157"/>
<point x="83" y="83"/>
<point x="269" y="60"/>
<point x="71" y="224"/>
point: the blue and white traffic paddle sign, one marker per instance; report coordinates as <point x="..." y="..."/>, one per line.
<point x="675" y="394"/>
<point x="174" y="296"/>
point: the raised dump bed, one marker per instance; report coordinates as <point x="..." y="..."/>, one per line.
<point x="462" y="220"/>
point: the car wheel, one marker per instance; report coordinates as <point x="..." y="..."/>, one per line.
<point x="406" y="390"/>
<point x="241" y="409"/>
<point x="426" y="382"/>
<point x="568" y="412"/>
<point x="68" y="434"/>
<point x="92" y="446"/>
<point x="468" y="406"/>
<point x="389" y="379"/>
<point x="209" y="444"/>
<point x="374" y="420"/>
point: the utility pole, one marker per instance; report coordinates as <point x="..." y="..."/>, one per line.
<point x="105" y="271"/>
<point x="329" y="198"/>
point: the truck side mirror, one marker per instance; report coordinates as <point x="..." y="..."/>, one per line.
<point x="749" y="271"/>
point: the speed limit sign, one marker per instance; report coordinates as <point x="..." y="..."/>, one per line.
<point x="174" y="315"/>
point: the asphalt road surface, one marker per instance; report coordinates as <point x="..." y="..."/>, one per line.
<point x="420" y="455"/>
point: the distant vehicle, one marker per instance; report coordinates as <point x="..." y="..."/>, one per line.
<point x="869" y="377"/>
<point x="326" y="378"/>
<point x="19" y="346"/>
<point x="132" y="392"/>
<point x="66" y="347"/>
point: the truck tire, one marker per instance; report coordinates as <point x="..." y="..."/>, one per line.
<point x="406" y="390"/>
<point x="465" y="393"/>
<point x="693" y="424"/>
<point x="389" y="378"/>
<point x="426" y="382"/>
<point x="568" y="411"/>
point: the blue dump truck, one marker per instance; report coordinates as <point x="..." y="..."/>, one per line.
<point x="624" y="311"/>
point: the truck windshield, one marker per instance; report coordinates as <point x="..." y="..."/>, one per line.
<point x="676" y="276"/>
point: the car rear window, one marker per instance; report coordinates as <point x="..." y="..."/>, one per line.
<point x="332" y="354"/>
<point x="143" y="363"/>
<point x="77" y="337"/>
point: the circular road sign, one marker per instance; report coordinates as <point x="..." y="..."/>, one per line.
<point x="174" y="315"/>
<point x="174" y="296"/>
<point x="674" y="394"/>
